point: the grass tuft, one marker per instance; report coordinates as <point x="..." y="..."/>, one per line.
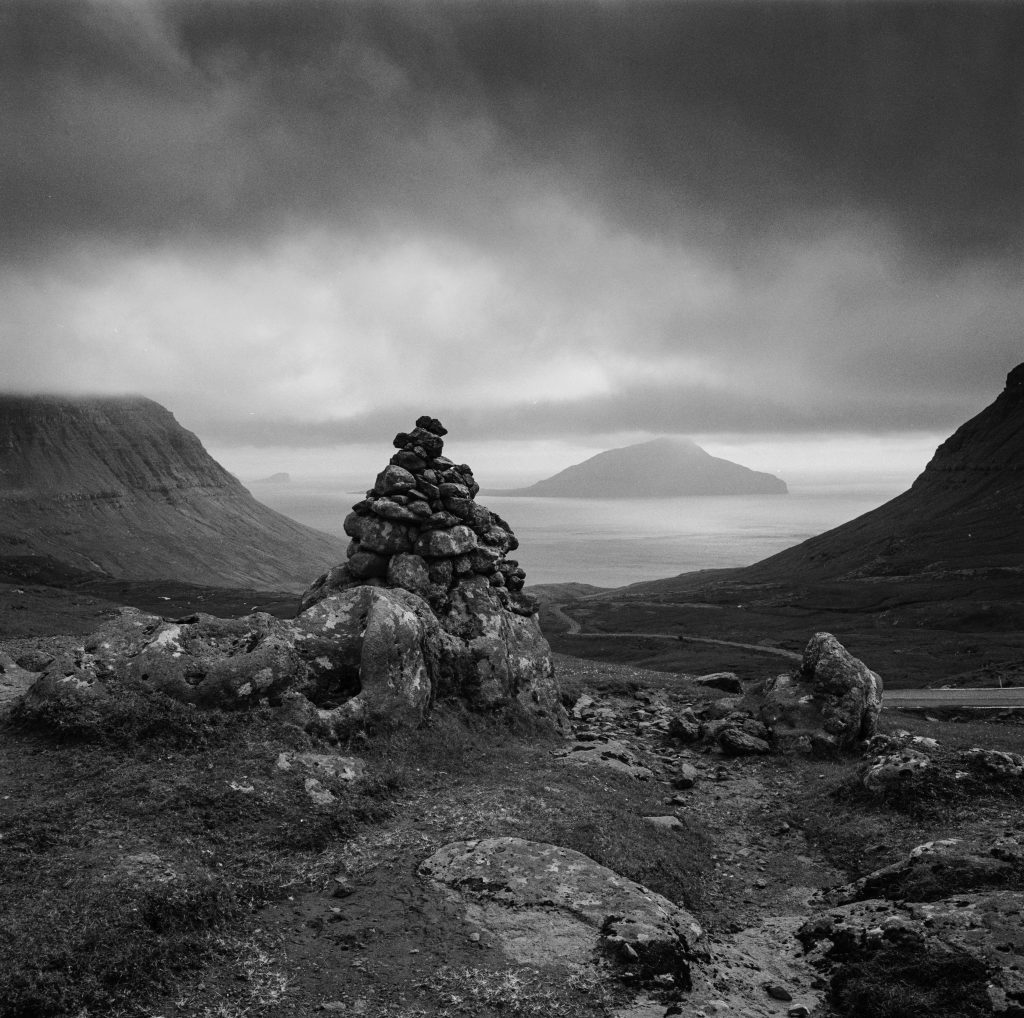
<point x="911" y="981"/>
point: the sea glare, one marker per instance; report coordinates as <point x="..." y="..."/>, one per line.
<point x="612" y="542"/>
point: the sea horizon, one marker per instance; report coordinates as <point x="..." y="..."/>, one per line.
<point x="615" y="542"/>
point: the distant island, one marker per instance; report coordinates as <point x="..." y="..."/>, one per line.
<point x="662" y="468"/>
<point x="281" y="478"/>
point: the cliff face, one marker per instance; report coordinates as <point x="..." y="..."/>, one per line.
<point x="661" y="468"/>
<point x="117" y="484"/>
<point x="964" y="512"/>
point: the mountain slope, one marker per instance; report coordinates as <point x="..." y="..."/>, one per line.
<point x="116" y="484"/>
<point x="964" y="512"/>
<point x="660" y="468"/>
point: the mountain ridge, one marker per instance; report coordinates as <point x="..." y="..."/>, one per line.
<point x="116" y="484"/>
<point x="659" y="468"/>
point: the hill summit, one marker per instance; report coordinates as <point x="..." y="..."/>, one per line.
<point x="117" y="485"/>
<point x="661" y="468"/>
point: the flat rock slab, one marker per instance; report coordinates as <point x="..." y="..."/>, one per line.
<point x="613" y="753"/>
<point x="549" y="905"/>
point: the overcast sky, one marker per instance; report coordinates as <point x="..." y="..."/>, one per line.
<point x="794" y="229"/>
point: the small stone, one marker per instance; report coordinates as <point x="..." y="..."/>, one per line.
<point x="342" y="888"/>
<point x="669" y="822"/>
<point x="687" y="777"/>
<point x="777" y="992"/>
<point x="798" y="1012"/>
<point x="737" y="742"/>
<point x="394" y="480"/>
<point x="475" y="938"/>
<point x="431" y="424"/>
<point x="728" y="682"/>
<point x="684" y="726"/>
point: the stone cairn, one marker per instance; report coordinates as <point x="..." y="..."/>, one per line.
<point x="419" y="528"/>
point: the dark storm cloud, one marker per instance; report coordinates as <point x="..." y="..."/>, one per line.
<point x="586" y="217"/>
<point x="733" y="120"/>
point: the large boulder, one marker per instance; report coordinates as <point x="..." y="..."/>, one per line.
<point x="201" y="660"/>
<point x="950" y="913"/>
<point x="544" y="903"/>
<point x="833" y="700"/>
<point x="366" y="656"/>
<point x="371" y="655"/>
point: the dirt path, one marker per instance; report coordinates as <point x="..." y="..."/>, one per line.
<point x="558" y="610"/>
<point x="765" y="871"/>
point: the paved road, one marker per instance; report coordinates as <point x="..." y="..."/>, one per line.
<point x="992" y="699"/>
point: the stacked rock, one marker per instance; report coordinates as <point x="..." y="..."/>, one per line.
<point x="419" y="528"/>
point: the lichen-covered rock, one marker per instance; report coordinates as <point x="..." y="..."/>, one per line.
<point x="890" y="770"/>
<point x="833" y="698"/>
<point x="949" y="904"/>
<point x="446" y="543"/>
<point x="934" y="870"/>
<point x="604" y="752"/>
<point x="409" y="572"/>
<point x="544" y="903"/>
<point x="994" y="762"/>
<point x="977" y="938"/>
<point x="370" y="655"/>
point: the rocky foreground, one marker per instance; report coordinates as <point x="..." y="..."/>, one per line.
<point x="482" y="889"/>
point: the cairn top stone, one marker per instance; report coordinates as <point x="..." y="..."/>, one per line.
<point x="431" y="424"/>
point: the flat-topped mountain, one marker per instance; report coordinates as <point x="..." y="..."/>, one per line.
<point x="661" y="468"/>
<point x="116" y="484"/>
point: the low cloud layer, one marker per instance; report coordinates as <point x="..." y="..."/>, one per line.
<point x="293" y="223"/>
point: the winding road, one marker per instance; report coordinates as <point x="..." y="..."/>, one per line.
<point x="968" y="699"/>
<point x="574" y="629"/>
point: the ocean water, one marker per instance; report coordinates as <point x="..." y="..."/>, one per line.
<point x="612" y="542"/>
